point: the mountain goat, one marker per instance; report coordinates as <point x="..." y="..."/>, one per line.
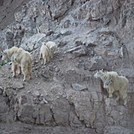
<point x="7" y="54"/>
<point x="117" y="83"/>
<point x="24" y="60"/>
<point x="47" y="51"/>
<point x="113" y="82"/>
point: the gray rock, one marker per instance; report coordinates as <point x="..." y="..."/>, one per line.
<point x="65" y="33"/>
<point x="4" y="109"/>
<point x="60" y="10"/>
<point x="74" y="121"/>
<point x="17" y="85"/>
<point x="98" y="63"/>
<point x="83" y="28"/>
<point x="71" y="76"/>
<point x="33" y="42"/>
<point x="117" y="130"/>
<point x="80" y="52"/>
<point x="20" y="14"/>
<point x="44" y="115"/>
<point x="79" y="87"/>
<point x="36" y="93"/>
<point x="9" y="39"/>
<point x="3" y="105"/>
<point x="19" y="32"/>
<point x="61" y="110"/>
<point x="25" y="114"/>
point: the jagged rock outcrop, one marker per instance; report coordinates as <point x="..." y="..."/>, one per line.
<point x="63" y="94"/>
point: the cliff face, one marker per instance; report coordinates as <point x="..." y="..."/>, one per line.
<point x="7" y="10"/>
<point x="63" y="95"/>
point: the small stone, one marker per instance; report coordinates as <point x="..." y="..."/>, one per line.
<point x="36" y="93"/>
<point x="79" y="87"/>
<point x="18" y="85"/>
<point x="28" y="91"/>
<point x="66" y="33"/>
<point x="57" y="69"/>
<point x="45" y="101"/>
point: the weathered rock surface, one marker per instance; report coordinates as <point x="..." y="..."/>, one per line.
<point x="117" y="130"/>
<point x="63" y="96"/>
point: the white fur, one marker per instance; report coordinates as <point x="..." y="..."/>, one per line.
<point x="7" y="54"/>
<point x="24" y="60"/>
<point x="47" y="51"/>
<point x="52" y="45"/>
<point x="103" y="75"/>
<point x="117" y="83"/>
<point x="113" y="82"/>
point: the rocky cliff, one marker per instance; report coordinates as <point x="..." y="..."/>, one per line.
<point x="63" y="96"/>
